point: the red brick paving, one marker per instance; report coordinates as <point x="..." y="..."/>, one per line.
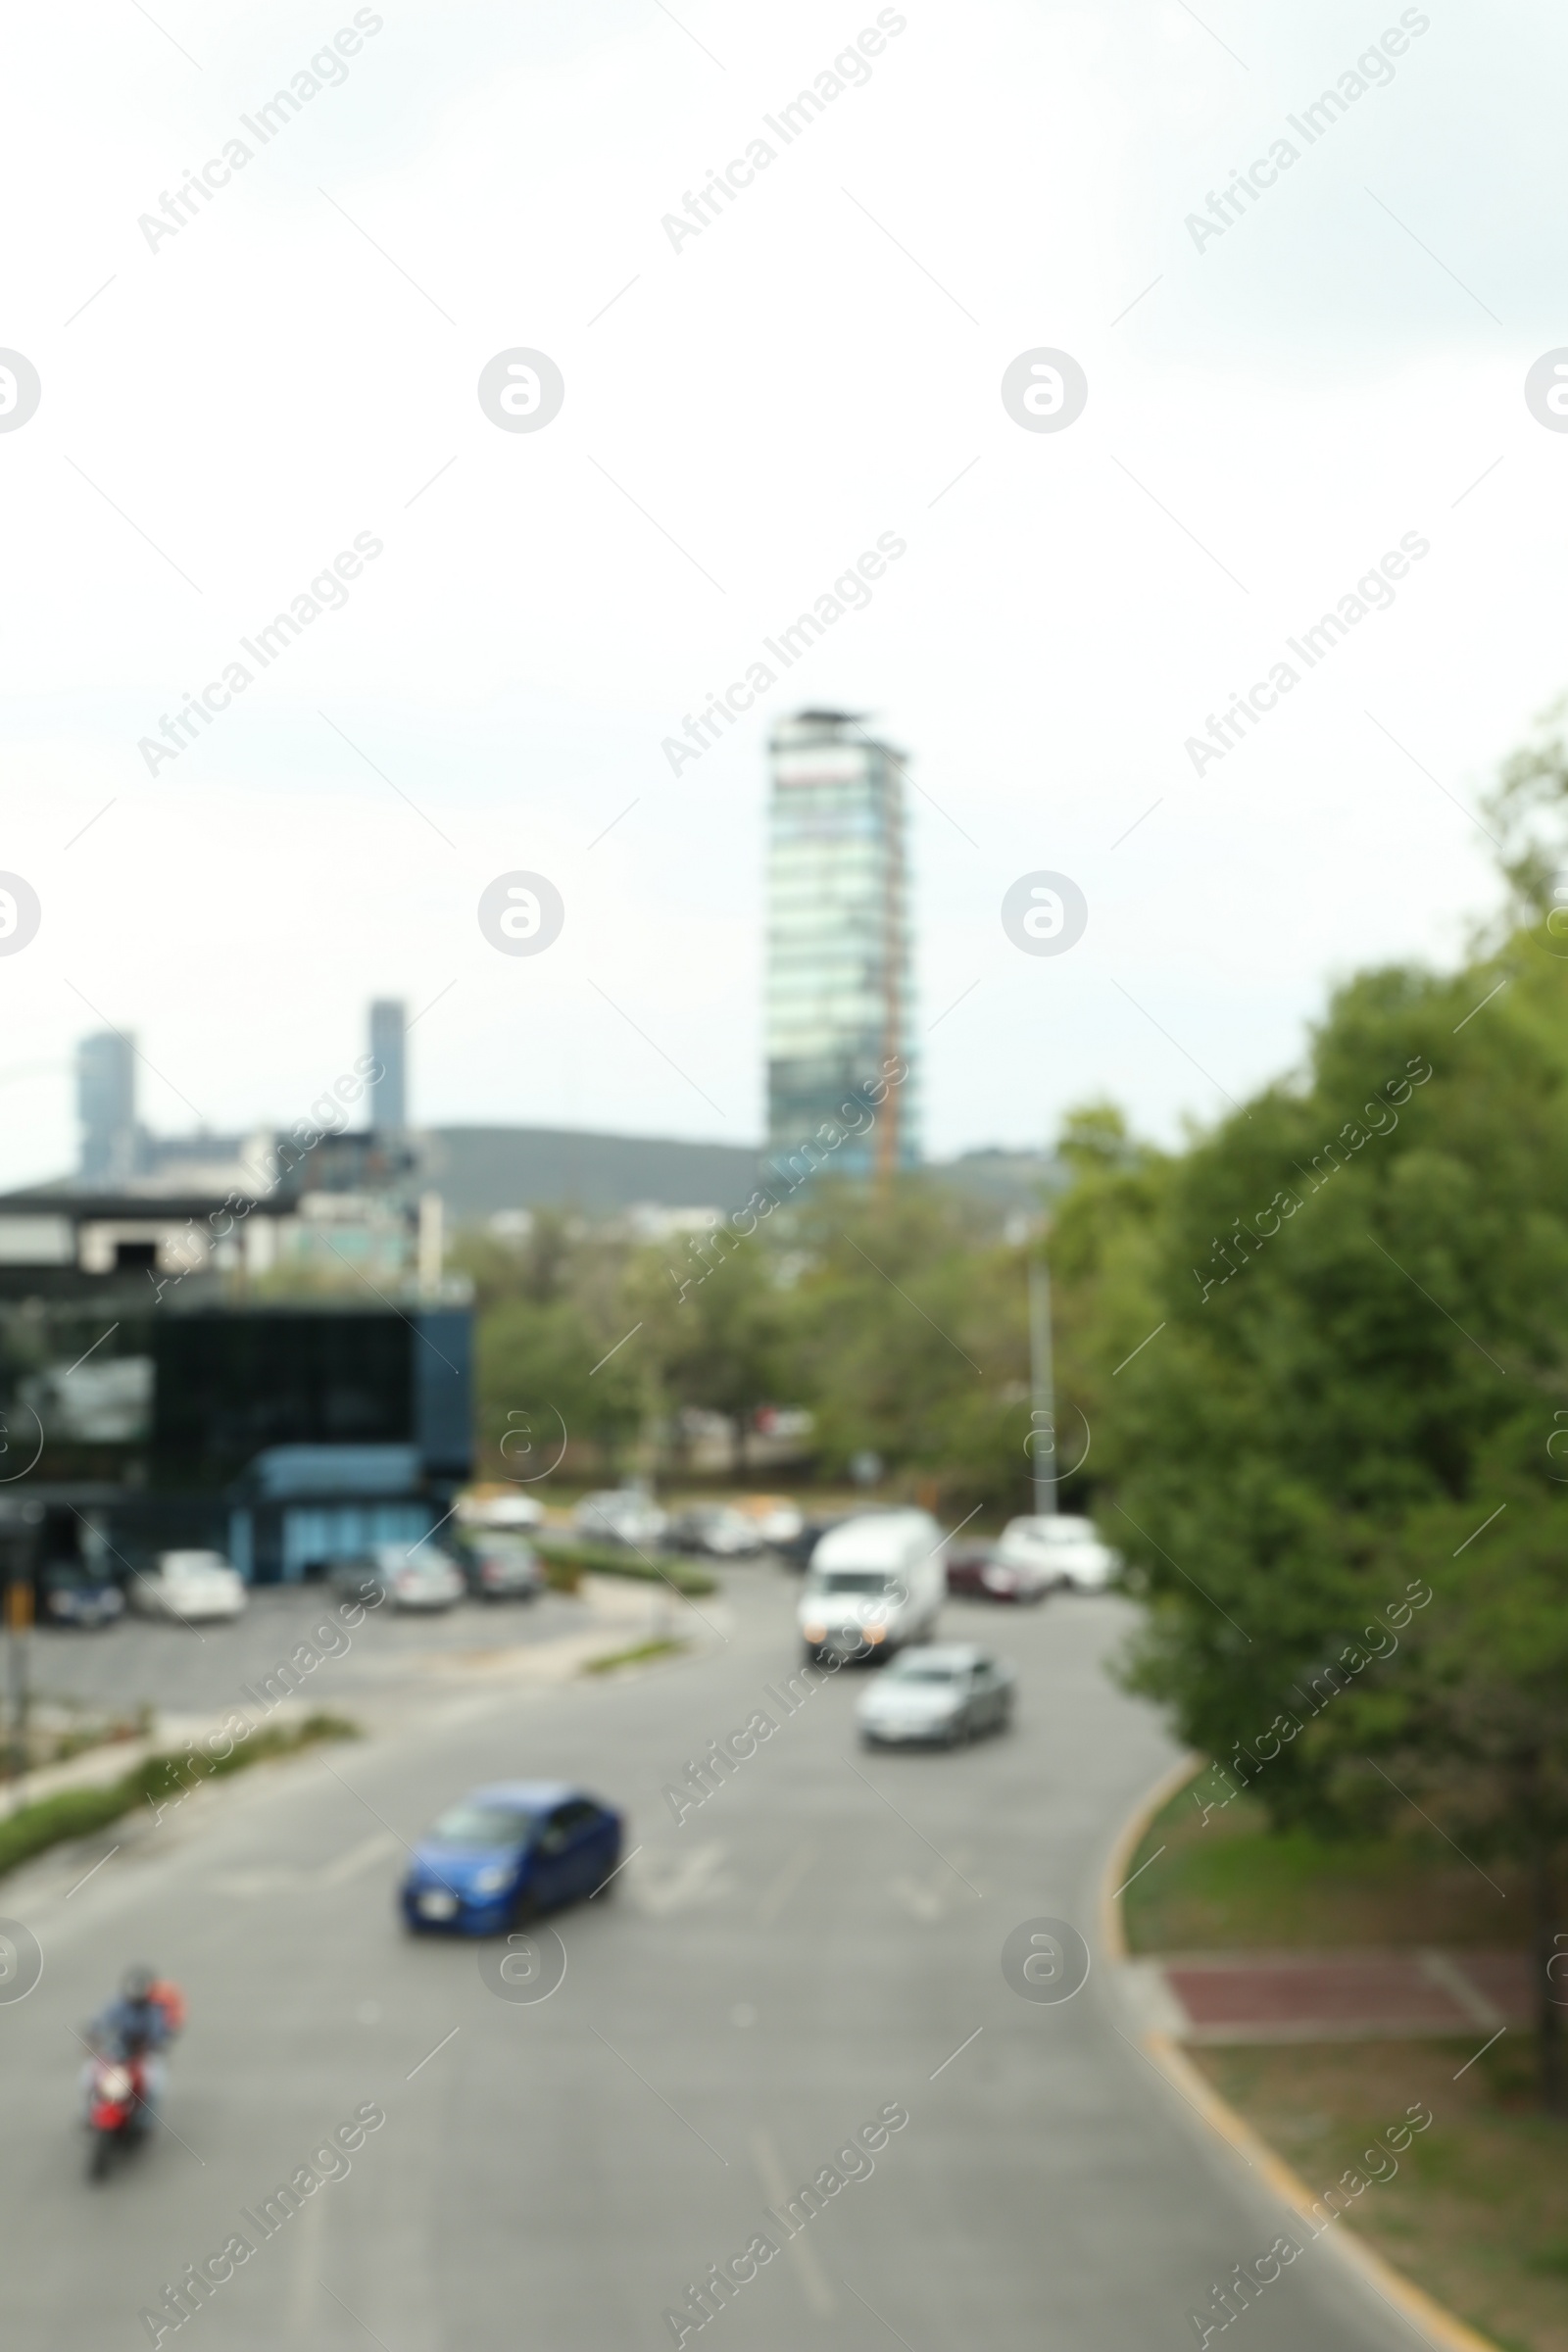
<point x="1263" y="1996"/>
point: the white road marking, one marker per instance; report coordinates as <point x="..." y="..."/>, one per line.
<point x="775" y="2188"/>
<point x="921" y="1902"/>
<point x="305" y="2258"/>
<point x="288" y="1878"/>
<point x="784" y="1886"/>
<point x="374" y="1849"/>
<point x="665" y="1883"/>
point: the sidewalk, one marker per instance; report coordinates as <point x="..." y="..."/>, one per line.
<point x="1215" y="1999"/>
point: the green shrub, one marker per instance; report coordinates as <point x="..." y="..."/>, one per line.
<point x="569" y="1555"/>
<point x="79" y="1812"/>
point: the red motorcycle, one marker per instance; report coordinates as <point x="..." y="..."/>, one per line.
<point x="116" y="2108"/>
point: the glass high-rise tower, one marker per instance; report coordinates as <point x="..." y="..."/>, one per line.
<point x="838" y="987"/>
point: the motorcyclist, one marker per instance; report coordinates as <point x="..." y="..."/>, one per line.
<point x="139" y="2025"/>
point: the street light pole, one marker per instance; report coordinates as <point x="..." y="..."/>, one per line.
<point x="1042" y="1390"/>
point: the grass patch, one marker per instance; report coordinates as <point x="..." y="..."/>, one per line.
<point x="1477" y="2211"/>
<point x="1230" y="1882"/>
<point x="565" y="1559"/>
<point x="635" y="1655"/>
<point x="77" y="1812"/>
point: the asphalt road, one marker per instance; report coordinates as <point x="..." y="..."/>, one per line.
<point x="196" y="1669"/>
<point x="819" y="1942"/>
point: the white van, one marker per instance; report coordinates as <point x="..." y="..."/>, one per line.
<point x="875" y="1582"/>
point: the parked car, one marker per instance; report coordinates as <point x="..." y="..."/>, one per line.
<point x="944" y="1694"/>
<point x="191" y="1588"/>
<point x="1066" y="1549"/>
<point x="500" y="1512"/>
<point x="776" y="1519"/>
<point x="716" y="1529"/>
<point x="507" y="1852"/>
<point x="622" y="1515"/>
<point x="500" y="1567"/>
<point x="71" y="1594"/>
<point x="979" y="1570"/>
<point x="796" y="1550"/>
<point x="411" y="1576"/>
<point x="875" y="1583"/>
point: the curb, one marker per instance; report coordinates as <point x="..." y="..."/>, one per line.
<point x="1440" y="2328"/>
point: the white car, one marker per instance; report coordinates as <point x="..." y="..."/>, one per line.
<point x="622" y="1515"/>
<point x="190" y="1588"/>
<point x="943" y="1693"/>
<point x="875" y="1583"/>
<point x="502" y="1512"/>
<point x="714" y="1528"/>
<point x="776" y="1520"/>
<point x="1065" y="1550"/>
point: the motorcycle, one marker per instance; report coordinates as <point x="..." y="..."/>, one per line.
<point x="116" y="2108"/>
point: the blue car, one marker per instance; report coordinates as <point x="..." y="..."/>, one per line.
<point x="507" y="1853"/>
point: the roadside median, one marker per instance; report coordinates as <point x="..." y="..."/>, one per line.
<point x="158" y="1780"/>
<point x="566" y="1560"/>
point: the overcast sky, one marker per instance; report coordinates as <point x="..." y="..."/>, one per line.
<point x="1271" y="408"/>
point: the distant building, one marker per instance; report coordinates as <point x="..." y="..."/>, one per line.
<point x="389" y="1094"/>
<point x="838" y="982"/>
<point x="106" y="1104"/>
<point x="284" y="1431"/>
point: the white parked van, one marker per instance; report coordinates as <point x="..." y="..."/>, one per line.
<point x="875" y="1582"/>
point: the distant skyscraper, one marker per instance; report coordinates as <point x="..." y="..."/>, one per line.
<point x="106" y="1104"/>
<point x="388" y="1098"/>
<point x="838" y="1009"/>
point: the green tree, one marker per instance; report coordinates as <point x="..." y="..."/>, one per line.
<point x="909" y="1337"/>
<point x="714" y="1328"/>
<point x="550" y="1309"/>
<point x="1102" y="1249"/>
<point x="1361" y="1277"/>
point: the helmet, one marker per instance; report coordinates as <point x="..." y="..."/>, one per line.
<point x="137" y="1982"/>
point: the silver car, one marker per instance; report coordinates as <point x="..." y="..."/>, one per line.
<point x="941" y="1693"/>
<point x="412" y="1575"/>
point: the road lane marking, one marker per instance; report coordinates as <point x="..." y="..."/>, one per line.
<point x="305" y="2269"/>
<point x="921" y="1902"/>
<point x="288" y="1878"/>
<point x="775" y="2188"/>
<point x="679" y="1882"/>
<point x="358" y="1857"/>
<point x="785" y="1885"/>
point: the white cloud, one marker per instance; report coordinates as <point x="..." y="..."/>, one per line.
<point x="743" y="418"/>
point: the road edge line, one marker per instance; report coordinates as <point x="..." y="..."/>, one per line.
<point x="1442" y="2327"/>
<point x="1128" y="1839"/>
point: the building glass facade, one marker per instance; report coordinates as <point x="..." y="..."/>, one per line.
<point x="838" y="979"/>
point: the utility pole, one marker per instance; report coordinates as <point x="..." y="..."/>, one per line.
<point x="19" y="1628"/>
<point x="1042" y="1390"/>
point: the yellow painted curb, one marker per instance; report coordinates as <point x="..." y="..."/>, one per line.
<point x="1440" y="2326"/>
<point x="1129" y="1838"/>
